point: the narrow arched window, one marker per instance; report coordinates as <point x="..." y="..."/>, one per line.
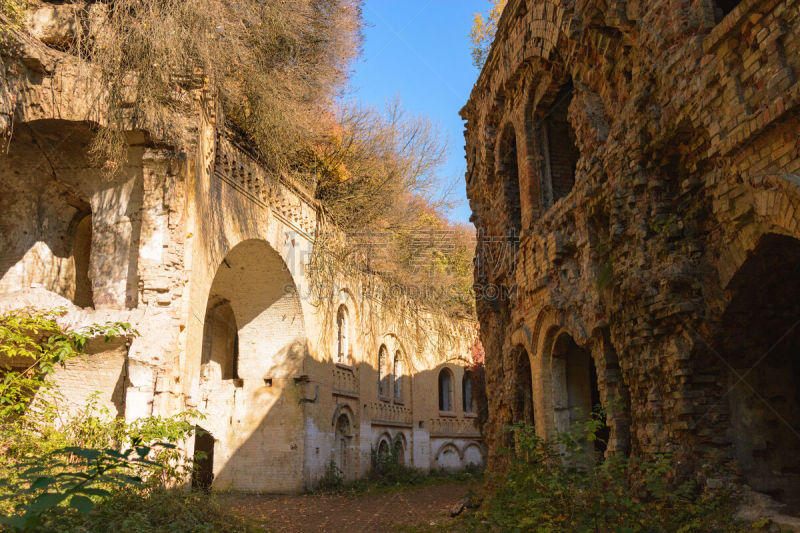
<point x="466" y="393"/>
<point x="445" y="390"/>
<point x="342" y="348"/>
<point x="383" y="377"/>
<point x="508" y="171"/>
<point x="560" y="147"/>
<point x="397" y="372"/>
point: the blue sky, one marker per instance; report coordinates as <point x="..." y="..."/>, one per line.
<point x="419" y="50"/>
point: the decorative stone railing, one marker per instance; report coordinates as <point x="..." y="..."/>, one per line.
<point x="389" y="414"/>
<point x="238" y="168"/>
<point x="454" y="427"/>
<point x="345" y="381"/>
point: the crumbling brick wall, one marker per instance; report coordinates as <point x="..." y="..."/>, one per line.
<point x="685" y="119"/>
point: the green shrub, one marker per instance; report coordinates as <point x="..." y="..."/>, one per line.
<point x="332" y="480"/>
<point x="562" y="487"/>
<point x="151" y="510"/>
<point x="54" y="458"/>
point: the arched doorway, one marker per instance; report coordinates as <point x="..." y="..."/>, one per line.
<point x="523" y="388"/>
<point x="576" y="392"/>
<point x="203" y="470"/>
<point x="342" y="437"/>
<point x="253" y="348"/>
<point x="757" y="356"/>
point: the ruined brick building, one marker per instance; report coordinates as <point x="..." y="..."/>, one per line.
<point x="206" y="255"/>
<point x="634" y="175"/>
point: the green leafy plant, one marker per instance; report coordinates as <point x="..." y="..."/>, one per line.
<point x="34" y="342"/>
<point x="561" y="486"/>
<point x="54" y="457"/>
<point x="72" y="475"/>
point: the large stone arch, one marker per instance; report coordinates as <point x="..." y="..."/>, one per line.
<point x="754" y="405"/>
<point x="254" y="281"/>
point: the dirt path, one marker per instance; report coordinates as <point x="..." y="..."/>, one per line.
<point x="368" y="512"/>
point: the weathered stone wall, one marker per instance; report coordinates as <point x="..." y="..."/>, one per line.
<point x="687" y="165"/>
<point x="206" y="255"/>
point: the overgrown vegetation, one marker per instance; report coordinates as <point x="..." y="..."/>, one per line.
<point x="64" y="468"/>
<point x="484" y="28"/>
<point x="380" y="186"/>
<point x="278" y="74"/>
<point x="561" y="486"/>
<point x="388" y="474"/>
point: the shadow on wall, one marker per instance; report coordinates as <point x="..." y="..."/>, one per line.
<point x="64" y="226"/>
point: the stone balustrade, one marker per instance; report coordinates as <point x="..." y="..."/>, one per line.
<point x="454" y="427"/>
<point x="385" y="413"/>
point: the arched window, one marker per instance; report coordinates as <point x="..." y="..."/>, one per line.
<point x="445" y="390"/>
<point x="383" y="450"/>
<point x="399" y="449"/>
<point x="508" y="173"/>
<point x="383" y="374"/>
<point x="342" y="325"/>
<point x="559" y="151"/>
<point x="522" y="408"/>
<point x="397" y="372"/>
<point x="467" y="404"/>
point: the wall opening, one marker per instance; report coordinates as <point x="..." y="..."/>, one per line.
<point x="383" y="373"/>
<point x="254" y="320"/>
<point x="398" y="373"/>
<point x="560" y="157"/>
<point x="342" y="335"/>
<point x="341" y="448"/>
<point x="576" y="391"/>
<point x="523" y="388"/>
<point x="508" y="173"/>
<point x="203" y="470"/>
<point x="759" y="339"/>
<point x="220" y="357"/>
<point x="445" y="390"/>
<point x="81" y="253"/>
<point x="383" y="450"/>
<point x="467" y="401"/>
<point x="723" y="7"/>
<point x="399" y="449"/>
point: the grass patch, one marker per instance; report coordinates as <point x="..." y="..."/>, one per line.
<point x="157" y="510"/>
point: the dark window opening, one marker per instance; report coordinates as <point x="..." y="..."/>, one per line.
<point x="508" y="172"/>
<point x="523" y="393"/>
<point x="467" y="401"/>
<point x="723" y="7"/>
<point x="561" y="154"/>
<point x="445" y="390"/>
